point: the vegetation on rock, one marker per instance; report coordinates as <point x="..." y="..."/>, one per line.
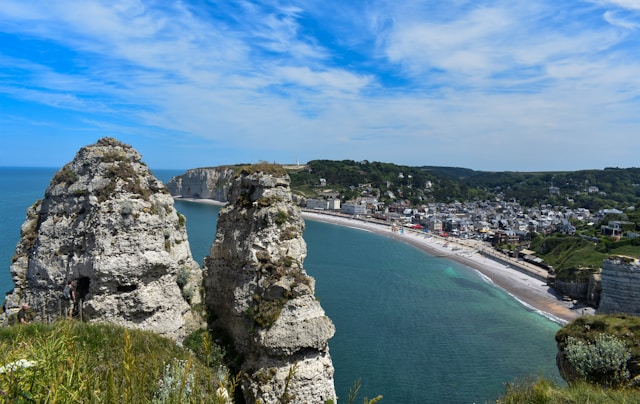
<point x="266" y="168"/>
<point x="600" y="355"/>
<point x="65" y="176"/>
<point x="624" y="327"/>
<point x="602" y="361"/>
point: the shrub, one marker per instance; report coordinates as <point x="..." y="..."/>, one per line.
<point x="281" y="217"/>
<point x="182" y="277"/>
<point x="202" y="345"/>
<point x="602" y="361"/>
<point x="176" y="384"/>
<point x="113" y="156"/>
<point x="181" y="220"/>
<point x="66" y="176"/>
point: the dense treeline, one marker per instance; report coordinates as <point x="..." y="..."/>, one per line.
<point x="591" y="189"/>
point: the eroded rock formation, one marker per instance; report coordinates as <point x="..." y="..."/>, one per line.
<point x="108" y="223"/>
<point x="202" y="183"/>
<point x="620" y="286"/>
<point x="260" y="295"/>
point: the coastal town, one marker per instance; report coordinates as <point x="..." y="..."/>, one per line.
<point x="497" y="227"/>
<point x="499" y="230"/>
<point x="495" y="222"/>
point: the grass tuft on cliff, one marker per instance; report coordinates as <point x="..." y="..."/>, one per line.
<point x="262" y="167"/>
<point x="73" y="362"/>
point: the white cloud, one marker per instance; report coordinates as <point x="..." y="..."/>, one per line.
<point x="613" y="19"/>
<point x="626" y="4"/>
<point x="404" y="82"/>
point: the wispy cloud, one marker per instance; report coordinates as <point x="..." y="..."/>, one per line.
<point x="338" y="79"/>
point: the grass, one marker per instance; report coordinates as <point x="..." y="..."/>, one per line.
<point x="73" y="362"/>
<point x="273" y="169"/>
<point x="574" y="258"/>
<point x="543" y="391"/>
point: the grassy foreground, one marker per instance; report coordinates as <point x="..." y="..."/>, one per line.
<point x="542" y="391"/>
<point x="74" y="362"/>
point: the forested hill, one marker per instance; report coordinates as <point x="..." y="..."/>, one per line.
<point x="592" y="189"/>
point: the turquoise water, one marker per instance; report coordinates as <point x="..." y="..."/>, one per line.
<point x="412" y="327"/>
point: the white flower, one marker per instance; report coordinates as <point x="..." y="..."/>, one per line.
<point x="13" y="366"/>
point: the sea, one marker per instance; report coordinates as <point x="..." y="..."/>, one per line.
<point x="411" y="327"/>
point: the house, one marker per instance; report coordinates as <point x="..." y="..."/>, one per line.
<point x="505" y="237"/>
<point x="566" y="227"/>
<point x="616" y="228"/>
<point x="435" y="225"/>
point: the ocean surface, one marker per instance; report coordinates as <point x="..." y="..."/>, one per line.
<point x="411" y="327"/>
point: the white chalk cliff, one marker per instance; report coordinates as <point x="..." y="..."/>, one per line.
<point x="202" y="183"/>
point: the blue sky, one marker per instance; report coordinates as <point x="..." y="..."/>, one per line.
<point x="534" y="85"/>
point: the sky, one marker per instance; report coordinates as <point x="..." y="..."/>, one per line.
<point x="537" y="85"/>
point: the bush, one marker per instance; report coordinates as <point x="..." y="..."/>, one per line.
<point x="66" y="176"/>
<point x="602" y="361"/>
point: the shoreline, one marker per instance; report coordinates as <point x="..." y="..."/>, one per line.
<point x="530" y="290"/>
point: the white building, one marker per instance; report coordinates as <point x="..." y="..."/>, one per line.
<point x="351" y="209"/>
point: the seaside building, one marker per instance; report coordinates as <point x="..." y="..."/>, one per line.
<point x="353" y="209"/>
<point x="323" y="204"/>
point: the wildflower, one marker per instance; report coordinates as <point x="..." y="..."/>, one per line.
<point x="19" y="364"/>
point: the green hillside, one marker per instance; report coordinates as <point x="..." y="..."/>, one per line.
<point x="591" y="189"/>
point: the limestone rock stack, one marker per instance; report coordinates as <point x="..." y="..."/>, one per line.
<point x="109" y="224"/>
<point x="260" y="295"/>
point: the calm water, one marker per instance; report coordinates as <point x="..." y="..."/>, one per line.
<point x="414" y="328"/>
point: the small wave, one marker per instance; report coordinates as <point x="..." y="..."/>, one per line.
<point x="529" y="307"/>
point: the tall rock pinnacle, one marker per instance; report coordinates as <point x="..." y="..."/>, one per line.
<point x="109" y="224"/>
<point x="260" y="295"/>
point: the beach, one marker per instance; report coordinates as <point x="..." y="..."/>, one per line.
<point x="530" y="289"/>
<point x="527" y="285"/>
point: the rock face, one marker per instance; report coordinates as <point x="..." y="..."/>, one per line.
<point x="260" y="295"/>
<point x="620" y="286"/>
<point x="585" y="291"/>
<point x="204" y="183"/>
<point x="109" y="224"/>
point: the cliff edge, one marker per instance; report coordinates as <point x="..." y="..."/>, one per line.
<point x="109" y="225"/>
<point x="260" y="295"/>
